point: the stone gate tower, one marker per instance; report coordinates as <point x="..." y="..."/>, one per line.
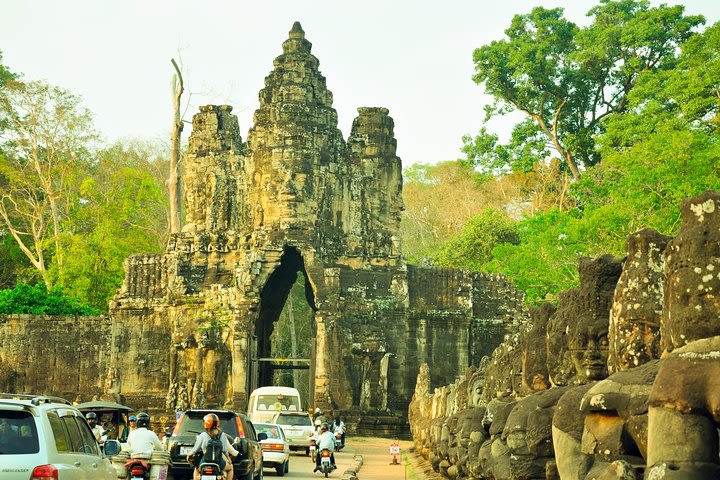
<point x="295" y="197"/>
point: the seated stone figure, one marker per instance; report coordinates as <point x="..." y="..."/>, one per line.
<point x="534" y="354"/>
<point x="581" y="320"/>
<point x="615" y="412"/>
<point x="528" y="433"/>
<point x="684" y="413"/>
<point x="637" y="304"/>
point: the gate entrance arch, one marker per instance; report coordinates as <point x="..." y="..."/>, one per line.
<point x="273" y="298"/>
<point x="295" y="196"/>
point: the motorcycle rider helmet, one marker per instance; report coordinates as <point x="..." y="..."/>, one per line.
<point x="143" y="420"/>
<point x="132" y="418"/>
<point x="91" y="418"/>
<point x="325" y="427"/>
<point x="211" y="421"/>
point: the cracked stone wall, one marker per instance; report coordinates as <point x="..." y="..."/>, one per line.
<point x="66" y="356"/>
<point x="294" y="197"/>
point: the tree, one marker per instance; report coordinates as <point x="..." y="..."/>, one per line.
<point x="566" y="79"/>
<point x="122" y="210"/>
<point x="663" y="148"/>
<point x="6" y="77"/>
<point x="173" y="182"/>
<point x="45" y="149"/>
<point x="473" y="246"/>
<point x="440" y="200"/>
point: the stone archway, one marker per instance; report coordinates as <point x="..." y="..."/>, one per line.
<point x="273" y="297"/>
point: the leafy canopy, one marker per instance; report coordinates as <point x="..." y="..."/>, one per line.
<point x="38" y="300"/>
<point x="566" y="79"/>
<point x="664" y="147"/>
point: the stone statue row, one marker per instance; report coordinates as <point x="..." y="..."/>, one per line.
<point x="620" y="380"/>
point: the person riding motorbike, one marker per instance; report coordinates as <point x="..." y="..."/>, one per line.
<point x="142" y="439"/>
<point x="338" y="428"/>
<point x="326" y="441"/>
<point x="97" y="430"/>
<point x="212" y="433"/>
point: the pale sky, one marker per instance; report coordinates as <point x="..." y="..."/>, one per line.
<point x="413" y="57"/>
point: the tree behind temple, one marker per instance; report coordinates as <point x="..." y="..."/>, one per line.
<point x="566" y="79"/>
<point x="45" y="152"/>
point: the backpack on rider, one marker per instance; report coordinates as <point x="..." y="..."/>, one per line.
<point x="214" y="450"/>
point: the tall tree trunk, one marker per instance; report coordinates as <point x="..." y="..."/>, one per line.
<point x="173" y="181"/>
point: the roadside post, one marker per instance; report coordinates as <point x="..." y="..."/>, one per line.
<point x="395" y="452"/>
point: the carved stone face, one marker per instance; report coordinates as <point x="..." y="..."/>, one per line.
<point x="475" y="390"/>
<point x="589" y="351"/>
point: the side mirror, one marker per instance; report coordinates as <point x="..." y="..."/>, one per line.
<point x="111" y="448"/>
<point x="261" y="437"/>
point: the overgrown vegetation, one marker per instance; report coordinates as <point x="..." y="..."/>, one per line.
<point x="71" y="209"/>
<point x="647" y="153"/>
<point x="38" y="300"/>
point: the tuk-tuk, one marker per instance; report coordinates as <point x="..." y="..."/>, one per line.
<point x="112" y="416"/>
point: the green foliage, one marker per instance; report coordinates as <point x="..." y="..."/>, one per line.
<point x="473" y="246"/>
<point x="38" y="300"/>
<point x="664" y="148"/>
<point x="566" y="79"/>
<point x="120" y="210"/>
<point x="439" y="199"/>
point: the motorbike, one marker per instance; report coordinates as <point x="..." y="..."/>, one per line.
<point x="313" y="449"/>
<point x="326" y="465"/>
<point x="137" y="469"/>
<point x="211" y="471"/>
<point x="338" y="442"/>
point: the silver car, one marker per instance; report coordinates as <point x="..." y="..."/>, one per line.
<point x="48" y="438"/>
<point x="298" y="428"/>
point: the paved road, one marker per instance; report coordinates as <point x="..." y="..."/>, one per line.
<point x="302" y="466"/>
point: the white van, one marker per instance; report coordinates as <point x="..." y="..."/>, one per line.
<point x="265" y="402"/>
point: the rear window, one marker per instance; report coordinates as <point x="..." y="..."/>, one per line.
<point x="18" y="435"/>
<point x="272" y="431"/>
<point x="192" y="424"/>
<point x="277" y="402"/>
<point x="294" y="420"/>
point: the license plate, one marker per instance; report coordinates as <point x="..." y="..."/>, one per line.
<point x="208" y="477"/>
<point x="325" y="460"/>
<point x="185" y="450"/>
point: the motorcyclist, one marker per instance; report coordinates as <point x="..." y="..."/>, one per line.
<point x="338" y="428"/>
<point x="319" y="416"/>
<point x="167" y="433"/>
<point x="326" y="441"/>
<point x="211" y="422"/>
<point x="142" y="439"/>
<point x="97" y="430"/>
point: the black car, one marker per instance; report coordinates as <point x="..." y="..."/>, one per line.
<point x="246" y="466"/>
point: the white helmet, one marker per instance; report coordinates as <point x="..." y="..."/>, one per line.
<point x="317" y="410"/>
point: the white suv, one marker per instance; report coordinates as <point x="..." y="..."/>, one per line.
<point x="46" y="438"/>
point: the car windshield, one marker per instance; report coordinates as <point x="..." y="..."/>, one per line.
<point x="294" y="420"/>
<point x="278" y="402"/>
<point x="272" y="431"/>
<point x="192" y="424"/>
<point x="18" y="435"/>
